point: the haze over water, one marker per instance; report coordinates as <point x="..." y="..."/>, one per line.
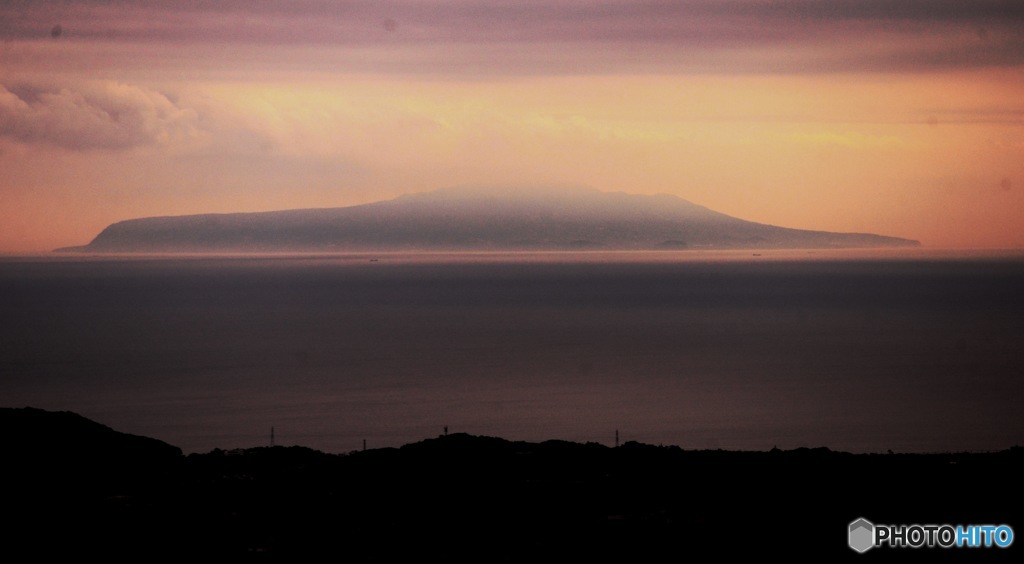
<point x="912" y="352"/>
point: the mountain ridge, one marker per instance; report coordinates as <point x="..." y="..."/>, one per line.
<point x="469" y="218"/>
<point x="468" y="498"/>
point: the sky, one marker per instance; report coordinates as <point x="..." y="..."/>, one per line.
<point x="898" y="117"/>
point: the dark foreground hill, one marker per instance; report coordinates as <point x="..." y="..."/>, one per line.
<point x="462" y="498"/>
<point x="473" y="219"/>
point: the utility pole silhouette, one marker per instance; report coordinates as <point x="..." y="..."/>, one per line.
<point x="271" y="435"/>
<point x="616" y="438"/>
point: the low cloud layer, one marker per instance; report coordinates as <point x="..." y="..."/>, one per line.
<point x="98" y="115"/>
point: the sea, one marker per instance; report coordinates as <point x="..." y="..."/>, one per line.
<point x="858" y="351"/>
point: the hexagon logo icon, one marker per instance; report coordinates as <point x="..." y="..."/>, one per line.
<point x="861" y="533"/>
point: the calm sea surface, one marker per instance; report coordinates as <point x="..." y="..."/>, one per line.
<point x="916" y="353"/>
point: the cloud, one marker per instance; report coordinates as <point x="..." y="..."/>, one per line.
<point x="95" y="115"/>
<point x="696" y="35"/>
<point x="848" y="140"/>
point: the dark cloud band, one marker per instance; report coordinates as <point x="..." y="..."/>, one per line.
<point x="918" y="34"/>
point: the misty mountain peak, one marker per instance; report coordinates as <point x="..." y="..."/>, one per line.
<point x="488" y="218"/>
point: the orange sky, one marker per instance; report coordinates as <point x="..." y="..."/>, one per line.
<point x="899" y="118"/>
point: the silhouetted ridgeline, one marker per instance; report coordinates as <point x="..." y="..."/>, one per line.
<point x="472" y="219"/>
<point x="82" y="489"/>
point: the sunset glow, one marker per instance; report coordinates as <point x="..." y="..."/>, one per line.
<point x="884" y="116"/>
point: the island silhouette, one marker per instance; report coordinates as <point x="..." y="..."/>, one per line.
<point x="78" y="488"/>
<point x="473" y="219"/>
